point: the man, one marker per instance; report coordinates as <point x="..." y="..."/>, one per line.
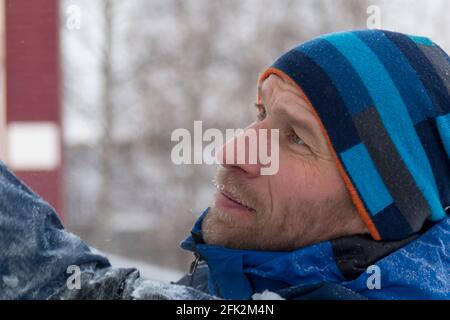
<point x="356" y="210"/>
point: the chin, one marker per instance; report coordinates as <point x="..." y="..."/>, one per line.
<point x="219" y="231"/>
<point x="228" y="230"/>
<point x="214" y="229"/>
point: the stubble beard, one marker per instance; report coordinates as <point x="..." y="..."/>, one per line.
<point x="310" y="222"/>
<point x="222" y="228"/>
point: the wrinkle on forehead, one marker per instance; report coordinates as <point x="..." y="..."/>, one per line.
<point x="276" y="83"/>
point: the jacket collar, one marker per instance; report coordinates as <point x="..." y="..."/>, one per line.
<point x="418" y="270"/>
<point x="237" y="274"/>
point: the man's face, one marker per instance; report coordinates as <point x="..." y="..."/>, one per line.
<point x="303" y="203"/>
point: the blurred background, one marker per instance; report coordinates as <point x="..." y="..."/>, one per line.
<point x="91" y="90"/>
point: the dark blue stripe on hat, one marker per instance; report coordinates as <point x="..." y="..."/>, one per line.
<point x="405" y="78"/>
<point x="323" y="95"/>
<point x="440" y="164"/>
<point x="425" y="69"/>
<point x="344" y="77"/>
<point x="391" y="224"/>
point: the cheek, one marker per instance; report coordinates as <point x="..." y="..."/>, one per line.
<point x="306" y="180"/>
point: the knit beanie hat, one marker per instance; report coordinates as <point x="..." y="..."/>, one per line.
<point x="382" y="100"/>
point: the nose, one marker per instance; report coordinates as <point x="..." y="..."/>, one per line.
<point x="241" y="152"/>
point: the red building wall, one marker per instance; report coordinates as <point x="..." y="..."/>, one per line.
<point x="33" y="82"/>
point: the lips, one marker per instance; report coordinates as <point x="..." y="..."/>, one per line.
<point x="235" y="200"/>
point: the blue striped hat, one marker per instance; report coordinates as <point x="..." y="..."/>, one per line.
<point x="383" y="102"/>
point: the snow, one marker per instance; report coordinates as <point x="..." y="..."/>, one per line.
<point x="11" y="281"/>
<point x="267" y="295"/>
<point x="155" y="289"/>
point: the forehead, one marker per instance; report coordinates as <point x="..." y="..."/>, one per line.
<point x="275" y="88"/>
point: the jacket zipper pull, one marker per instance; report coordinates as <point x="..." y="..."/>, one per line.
<point x="193" y="268"/>
<point x="194" y="265"/>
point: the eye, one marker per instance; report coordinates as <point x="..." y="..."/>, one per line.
<point x="295" y="139"/>
<point x="261" y="111"/>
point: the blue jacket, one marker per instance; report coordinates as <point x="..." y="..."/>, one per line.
<point x="418" y="270"/>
